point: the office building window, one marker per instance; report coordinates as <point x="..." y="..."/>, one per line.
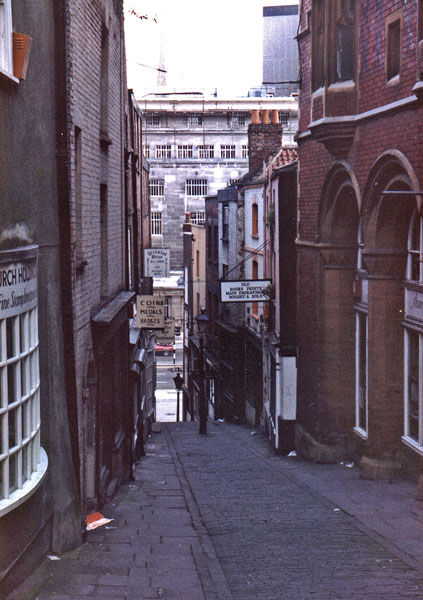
<point x="244" y="151"/>
<point x="156" y="223"/>
<point x="152" y="118"/>
<point x="146" y="150"/>
<point x="6" y="51"/>
<point x="227" y="151"/>
<point x="198" y="218"/>
<point x="238" y="119"/>
<point x="163" y="151"/>
<point x="195" y="120"/>
<point x="206" y="151"/>
<point x="157" y="187"/>
<point x="184" y="151"/>
<point x="23" y="462"/>
<point x="196" y="187"/>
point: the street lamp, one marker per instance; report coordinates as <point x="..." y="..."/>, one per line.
<point x="178" y="381"/>
<point x="202" y="322"/>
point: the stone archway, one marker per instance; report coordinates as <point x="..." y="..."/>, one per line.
<point x="326" y="424"/>
<point x="388" y="209"/>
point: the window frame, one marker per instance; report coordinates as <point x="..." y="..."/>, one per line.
<point x="228" y="151"/>
<point x="152" y="119"/>
<point x="359" y="428"/>
<point x="198" y="217"/>
<point x="6" y="41"/>
<point x="163" y="151"/>
<point x="156" y="223"/>
<point x="393" y="69"/>
<point x="156" y="187"/>
<point x="185" y="151"/>
<point x="195" y="188"/>
<point x="254" y="220"/>
<point x="206" y="151"/>
<point x="19" y="365"/>
<point x="195" y="120"/>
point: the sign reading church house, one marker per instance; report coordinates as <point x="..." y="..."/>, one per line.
<point x="18" y="283"/>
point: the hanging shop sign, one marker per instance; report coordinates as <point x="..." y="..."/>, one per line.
<point x="166" y="337"/>
<point x="253" y="290"/>
<point x="156" y="262"/>
<point x="150" y="312"/>
<point x="18" y="281"/>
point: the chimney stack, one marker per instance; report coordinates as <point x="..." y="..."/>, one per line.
<point x="264" y="138"/>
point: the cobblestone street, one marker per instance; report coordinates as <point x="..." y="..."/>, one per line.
<point x="219" y="516"/>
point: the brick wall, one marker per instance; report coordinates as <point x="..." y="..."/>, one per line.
<point x="263" y="140"/>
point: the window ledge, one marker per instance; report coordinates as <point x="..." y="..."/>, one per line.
<point x="5" y="75"/>
<point x="394" y="80"/>
<point x="29" y="488"/>
<point x="342" y="86"/>
<point x="360" y="432"/>
<point x="412" y="444"/>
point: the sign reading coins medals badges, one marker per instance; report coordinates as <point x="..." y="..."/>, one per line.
<point x="150" y="312"/>
<point x="157" y="262"/>
<point x="253" y="290"/>
<point x="18" y="281"/>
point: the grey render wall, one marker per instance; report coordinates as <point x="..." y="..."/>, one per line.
<point x="175" y="172"/>
<point x="280" y="49"/>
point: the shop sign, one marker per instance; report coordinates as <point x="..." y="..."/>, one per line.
<point x="253" y="290"/>
<point x="18" y="285"/>
<point x="414" y="304"/>
<point x="166" y="337"/>
<point x="156" y="262"/>
<point x="150" y="312"/>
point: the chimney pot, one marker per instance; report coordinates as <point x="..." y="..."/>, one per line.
<point x="275" y="117"/>
<point x="255" y="117"/>
<point x="265" y="117"/>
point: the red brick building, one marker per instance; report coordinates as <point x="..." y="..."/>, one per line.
<point x="360" y="273"/>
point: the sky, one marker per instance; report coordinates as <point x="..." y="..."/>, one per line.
<point x="207" y="44"/>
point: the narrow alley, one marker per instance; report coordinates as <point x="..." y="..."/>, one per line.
<point x="221" y="516"/>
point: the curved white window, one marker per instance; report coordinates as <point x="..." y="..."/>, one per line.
<point x="23" y="463"/>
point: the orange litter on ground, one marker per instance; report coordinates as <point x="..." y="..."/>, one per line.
<point x="95" y="520"/>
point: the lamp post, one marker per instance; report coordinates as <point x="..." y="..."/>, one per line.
<point x="202" y="322"/>
<point x="178" y="381"/>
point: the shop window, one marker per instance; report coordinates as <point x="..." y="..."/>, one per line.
<point x="393" y="51"/>
<point x="415" y="249"/>
<point x="23" y="462"/>
<point x="361" y="370"/>
<point x="413" y="387"/>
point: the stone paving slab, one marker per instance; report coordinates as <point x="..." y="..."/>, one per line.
<point x="283" y="532"/>
<point x="220" y="517"/>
